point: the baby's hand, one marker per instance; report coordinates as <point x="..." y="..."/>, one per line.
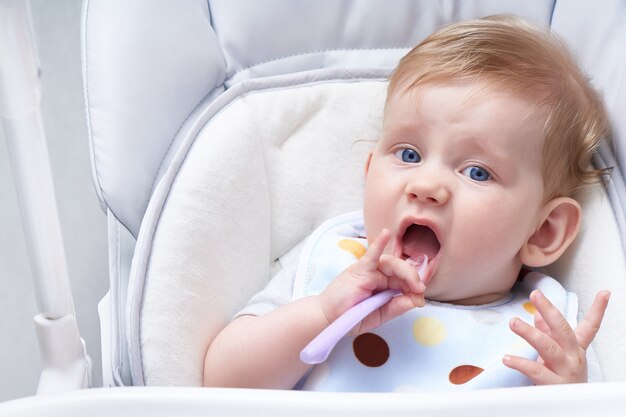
<point x="374" y="272"/>
<point x="562" y="351"/>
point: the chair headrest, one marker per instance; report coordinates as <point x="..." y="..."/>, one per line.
<point x="149" y="64"/>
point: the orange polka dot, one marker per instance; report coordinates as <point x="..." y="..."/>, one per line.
<point x="352" y="246"/>
<point x="530" y="308"/>
<point x="464" y="373"/>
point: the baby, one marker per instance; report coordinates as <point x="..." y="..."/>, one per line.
<point x="488" y="131"/>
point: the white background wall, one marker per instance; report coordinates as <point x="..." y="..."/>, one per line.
<point x="57" y="30"/>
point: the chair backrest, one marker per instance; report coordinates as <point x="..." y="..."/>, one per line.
<point x="148" y="64"/>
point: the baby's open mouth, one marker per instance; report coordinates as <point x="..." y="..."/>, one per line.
<point x="419" y="240"/>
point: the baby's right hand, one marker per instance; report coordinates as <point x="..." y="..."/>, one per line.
<point x="373" y="273"/>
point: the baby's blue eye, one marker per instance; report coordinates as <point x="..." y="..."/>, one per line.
<point x="477" y="173"/>
<point x="408" y="155"/>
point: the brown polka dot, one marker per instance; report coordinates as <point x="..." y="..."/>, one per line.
<point x="371" y="350"/>
<point x="464" y="373"/>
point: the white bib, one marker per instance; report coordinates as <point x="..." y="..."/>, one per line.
<point x="438" y="347"/>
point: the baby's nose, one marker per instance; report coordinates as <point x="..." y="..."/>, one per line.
<point x="428" y="189"/>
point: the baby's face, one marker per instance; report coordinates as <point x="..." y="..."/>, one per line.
<point x="457" y="175"/>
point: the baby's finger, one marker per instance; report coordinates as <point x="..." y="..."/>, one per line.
<point x="376" y="249"/>
<point x="540" y="323"/>
<point x="539" y="374"/>
<point x="397" y="306"/>
<point x="560" y="330"/>
<point x="404" y="275"/>
<point x="588" y="328"/>
<point x="548" y="349"/>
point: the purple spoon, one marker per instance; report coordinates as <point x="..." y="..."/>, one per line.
<point x="318" y="350"/>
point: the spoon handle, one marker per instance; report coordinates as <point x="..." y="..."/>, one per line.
<point x="318" y="350"/>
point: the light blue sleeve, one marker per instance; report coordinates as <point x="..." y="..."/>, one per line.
<point x="279" y="290"/>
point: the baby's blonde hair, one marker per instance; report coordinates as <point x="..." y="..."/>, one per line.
<point x="532" y="63"/>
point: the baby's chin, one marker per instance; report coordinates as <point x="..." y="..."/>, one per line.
<point x="450" y="294"/>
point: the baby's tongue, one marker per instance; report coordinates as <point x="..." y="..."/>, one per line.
<point x="420" y="240"/>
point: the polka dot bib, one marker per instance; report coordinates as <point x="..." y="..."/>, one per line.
<point x="440" y="347"/>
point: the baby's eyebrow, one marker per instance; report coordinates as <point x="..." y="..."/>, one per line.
<point x="399" y="128"/>
<point x="484" y="146"/>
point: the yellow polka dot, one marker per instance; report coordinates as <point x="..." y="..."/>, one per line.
<point x="530" y="308"/>
<point x="352" y="246"/>
<point x="429" y="331"/>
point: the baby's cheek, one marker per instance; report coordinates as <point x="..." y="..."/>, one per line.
<point x="493" y="229"/>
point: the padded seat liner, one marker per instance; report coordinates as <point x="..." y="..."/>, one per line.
<point x="269" y="166"/>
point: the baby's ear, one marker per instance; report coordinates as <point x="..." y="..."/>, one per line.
<point x="560" y="223"/>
